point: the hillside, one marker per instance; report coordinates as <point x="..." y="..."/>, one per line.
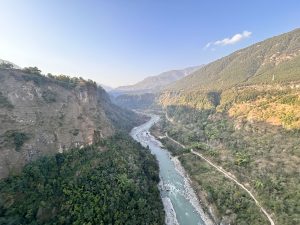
<point x="136" y="101"/>
<point x="143" y="94"/>
<point x="14" y="65"/>
<point x="259" y="83"/>
<point x="272" y="61"/>
<point x="242" y="113"/>
<point x="156" y="83"/>
<point x="112" y="182"/>
<point x="42" y="115"/>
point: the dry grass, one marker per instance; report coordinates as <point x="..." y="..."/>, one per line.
<point x="273" y="111"/>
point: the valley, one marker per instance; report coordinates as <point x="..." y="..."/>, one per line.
<point x="241" y="114"/>
<point x="67" y="157"/>
<point x="209" y="144"/>
<point x="180" y="202"/>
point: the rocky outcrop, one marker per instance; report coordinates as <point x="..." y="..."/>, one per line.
<point x="42" y="116"/>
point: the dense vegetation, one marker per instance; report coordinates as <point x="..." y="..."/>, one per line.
<point x="275" y="107"/>
<point x="264" y="156"/>
<point x="114" y="182"/>
<point x="233" y="204"/>
<point x="34" y="74"/>
<point x="251" y="131"/>
<point x="158" y="131"/>
<point x="242" y="111"/>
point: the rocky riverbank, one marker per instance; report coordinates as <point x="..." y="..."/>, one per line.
<point x="190" y="193"/>
<point x="170" y="212"/>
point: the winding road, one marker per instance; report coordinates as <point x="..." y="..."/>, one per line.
<point x="225" y="173"/>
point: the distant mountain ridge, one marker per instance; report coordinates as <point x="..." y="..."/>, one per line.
<point x="106" y="87"/>
<point x="156" y="83"/>
<point x="273" y="60"/>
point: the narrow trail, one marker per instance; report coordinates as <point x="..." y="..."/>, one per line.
<point x="228" y="175"/>
<point x="181" y="145"/>
<point x="225" y="173"/>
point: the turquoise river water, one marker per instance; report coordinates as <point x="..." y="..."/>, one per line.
<point x="179" y="199"/>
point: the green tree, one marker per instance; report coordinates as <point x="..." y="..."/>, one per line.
<point x="32" y="70"/>
<point x="6" y="65"/>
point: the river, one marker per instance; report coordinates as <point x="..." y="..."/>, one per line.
<point x="180" y="202"/>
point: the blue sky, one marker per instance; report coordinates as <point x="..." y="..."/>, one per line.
<point x="121" y="42"/>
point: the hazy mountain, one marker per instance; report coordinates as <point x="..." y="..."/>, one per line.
<point x="106" y="88"/>
<point x="156" y="83"/>
<point x="142" y="94"/>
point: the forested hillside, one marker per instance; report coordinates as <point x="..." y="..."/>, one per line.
<point x="66" y="157"/>
<point x="112" y="182"/>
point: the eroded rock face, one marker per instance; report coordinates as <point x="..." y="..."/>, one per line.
<point x="41" y="118"/>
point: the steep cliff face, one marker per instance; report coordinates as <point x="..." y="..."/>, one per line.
<point x="41" y="116"/>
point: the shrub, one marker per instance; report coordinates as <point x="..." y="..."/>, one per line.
<point x="290" y="100"/>
<point x="4" y="102"/>
<point x="6" y="65"/>
<point x="32" y="70"/>
<point x="17" y="138"/>
<point x="36" y="78"/>
<point x="49" y="96"/>
<point x="288" y="118"/>
<point x="74" y="132"/>
<point x="242" y="159"/>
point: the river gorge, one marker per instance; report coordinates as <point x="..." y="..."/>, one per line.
<point x="180" y="201"/>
